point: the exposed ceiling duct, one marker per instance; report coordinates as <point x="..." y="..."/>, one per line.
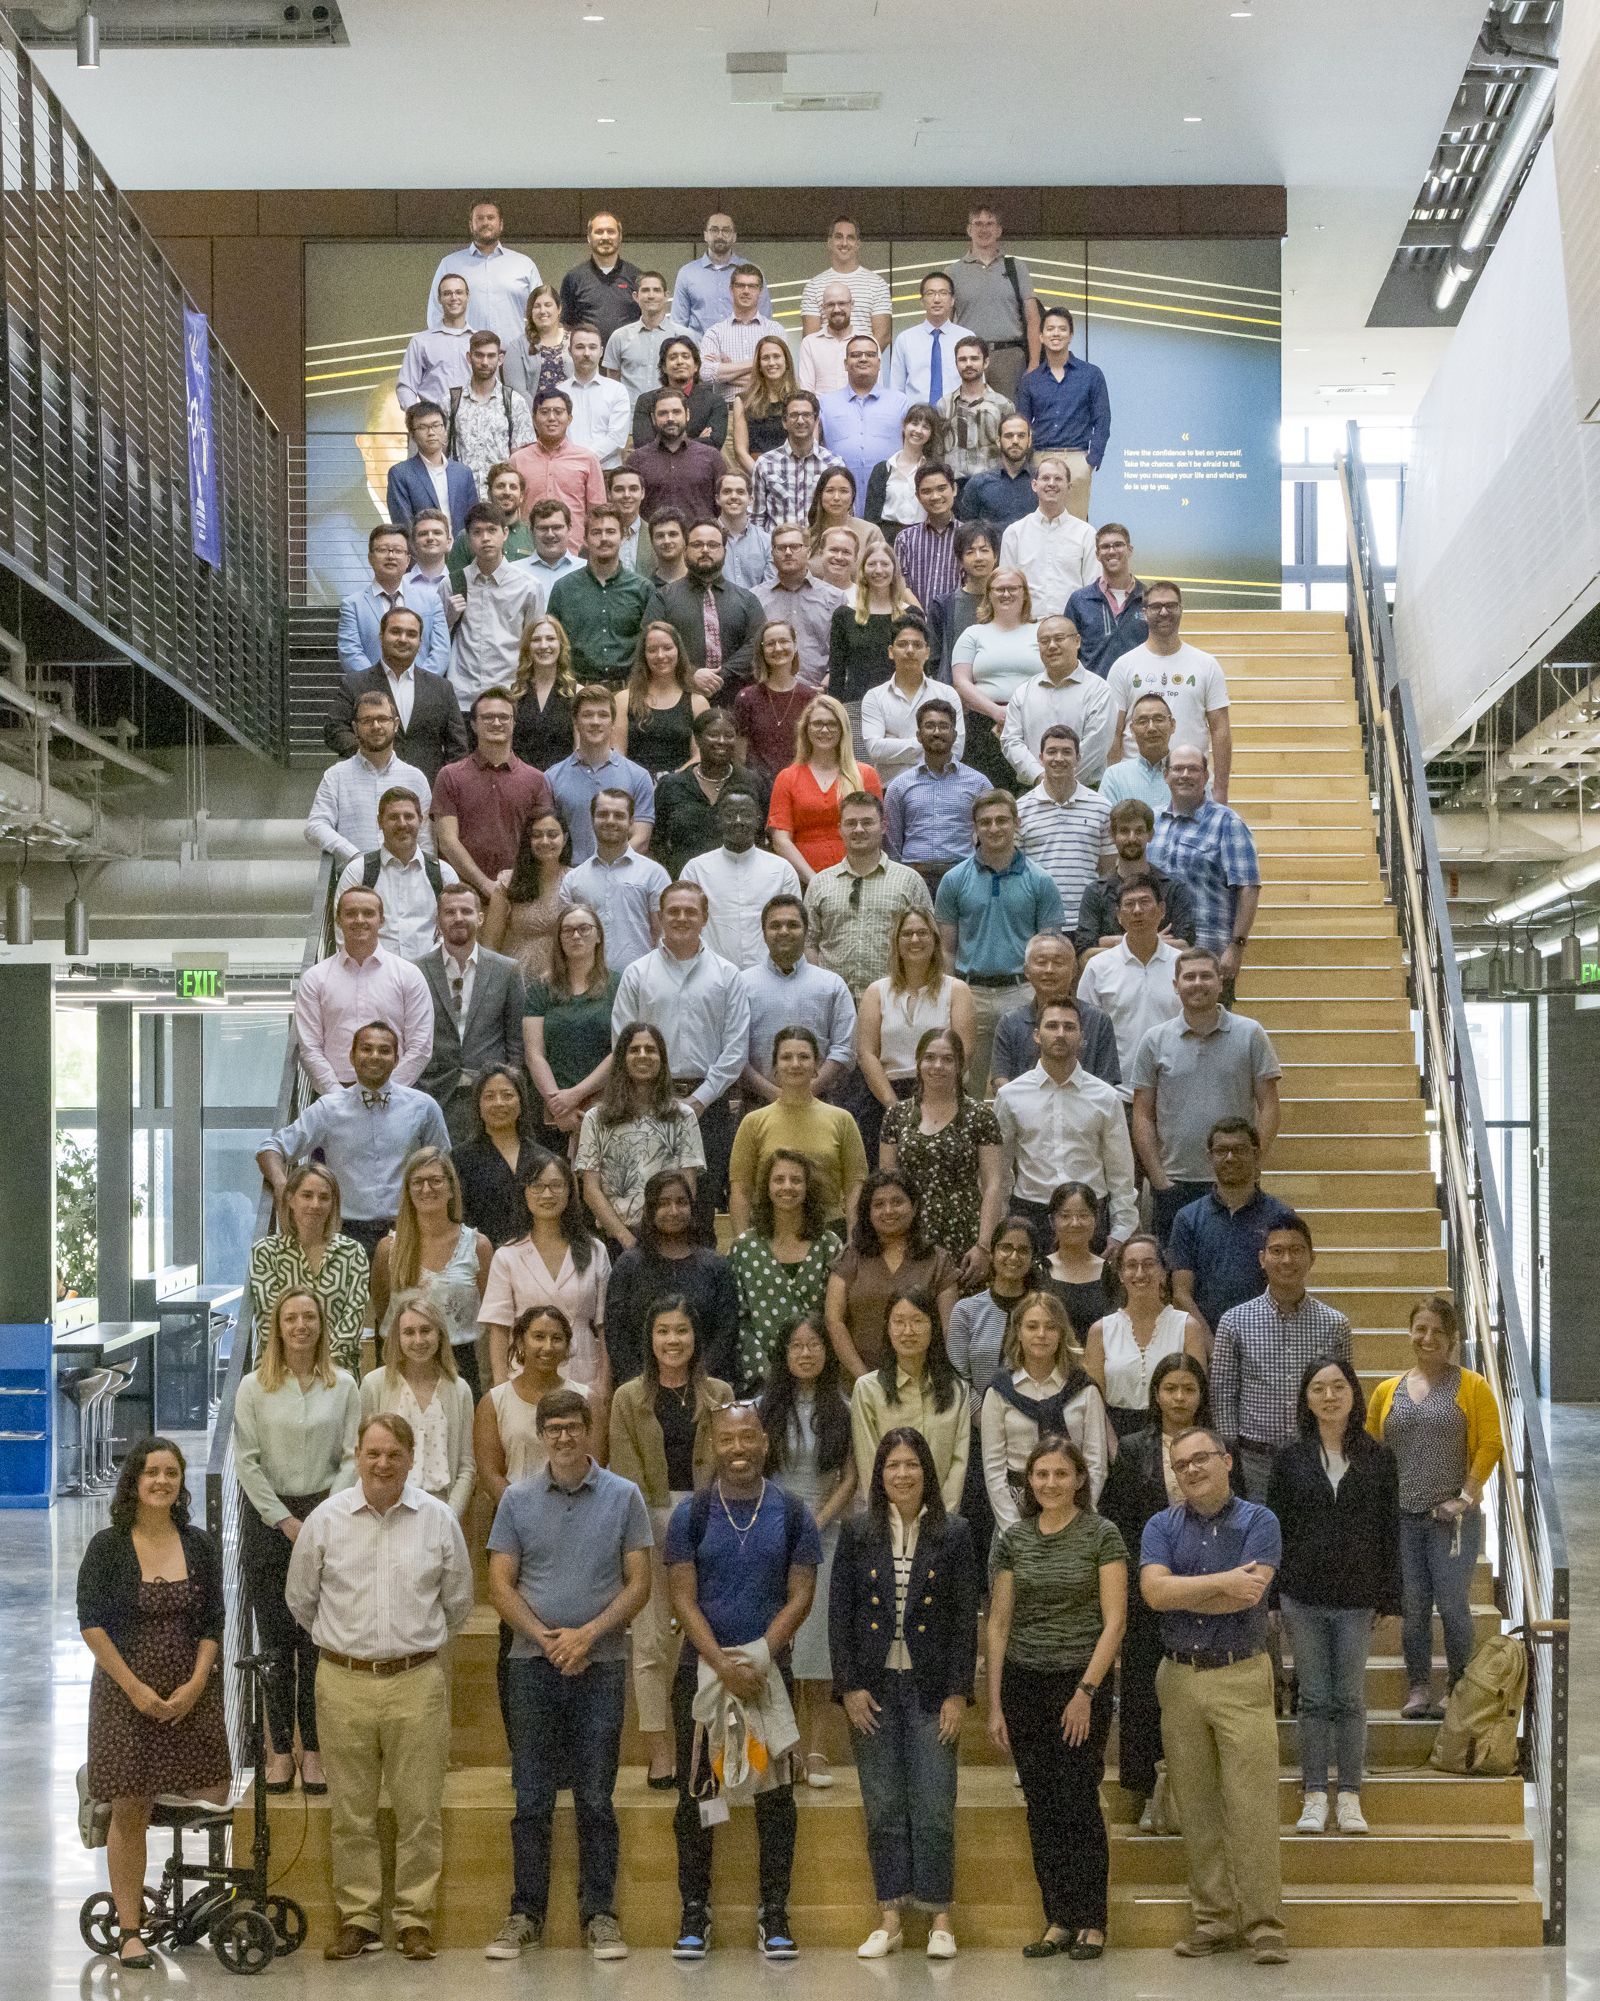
<point x="184" y="24"/>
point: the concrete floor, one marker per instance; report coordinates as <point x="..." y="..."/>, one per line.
<point x="45" y="1873"/>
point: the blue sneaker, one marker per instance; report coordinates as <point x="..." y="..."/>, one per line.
<point x="773" y="1936"/>
<point x="694" y="1935"/>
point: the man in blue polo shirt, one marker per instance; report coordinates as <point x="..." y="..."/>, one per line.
<point x="988" y="907"/>
<point x="569" y="1566"/>
<point x="1206" y="1567"/>
<point x="1215" y="1248"/>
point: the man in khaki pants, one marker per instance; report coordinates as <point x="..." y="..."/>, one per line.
<point x="380" y="1577"/>
<point x="1206" y="1566"/>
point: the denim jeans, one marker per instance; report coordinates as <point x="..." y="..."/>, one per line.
<point x="1430" y="1575"/>
<point x="908" y="1793"/>
<point x="1330" y="1661"/>
<point x="566" y="1730"/>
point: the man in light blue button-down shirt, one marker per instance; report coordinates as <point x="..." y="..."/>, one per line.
<point x="700" y="293"/>
<point x="861" y="422"/>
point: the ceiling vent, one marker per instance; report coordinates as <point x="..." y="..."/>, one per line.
<point x="843" y="100"/>
<point x="186" y="24"/>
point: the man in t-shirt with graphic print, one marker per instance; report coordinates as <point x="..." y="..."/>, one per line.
<point x="1193" y="683"/>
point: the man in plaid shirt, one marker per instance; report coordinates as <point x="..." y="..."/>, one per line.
<point x="1210" y="847"/>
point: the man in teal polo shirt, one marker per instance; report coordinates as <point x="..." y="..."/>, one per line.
<point x="988" y="907"/>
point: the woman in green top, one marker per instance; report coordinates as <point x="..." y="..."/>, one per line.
<point x="566" y="1031"/>
<point x="780" y="1265"/>
<point x="1056" y="1614"/>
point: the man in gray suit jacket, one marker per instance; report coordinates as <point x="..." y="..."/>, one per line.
<point x="477" y="1010"/>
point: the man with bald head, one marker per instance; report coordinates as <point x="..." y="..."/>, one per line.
<point x="819" y="366"/>
<point x="701" y="293"/>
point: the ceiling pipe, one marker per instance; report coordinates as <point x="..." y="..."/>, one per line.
<point x="1553" y="888"/>
<point x="1517" y="144"/>
<point x="14" y="692"/>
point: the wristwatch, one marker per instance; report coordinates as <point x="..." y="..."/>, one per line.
<point x="1089" y="1688"/>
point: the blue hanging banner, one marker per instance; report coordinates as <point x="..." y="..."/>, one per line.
<point x="205" y="532"/>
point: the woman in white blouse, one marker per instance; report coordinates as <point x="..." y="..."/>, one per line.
<point x="1121" y="1350"/>
<point x="419" y="1381"/>
<point x="989" y="662"/>
<point x="1040" y="1391"/>
<point x="294" y="1442"/>
<point x="558" y="1263"/>
<point x="915" y="995"/>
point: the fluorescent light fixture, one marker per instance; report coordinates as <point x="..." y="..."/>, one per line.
<point x="1192" y="119"/>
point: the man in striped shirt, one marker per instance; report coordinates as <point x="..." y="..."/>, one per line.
<point x="1210" y="847"/>
<point x="788" y="477"/>
<point x="1064" y="826"/>
<point x="727" y="354"/>
<point x="927" y="549"/>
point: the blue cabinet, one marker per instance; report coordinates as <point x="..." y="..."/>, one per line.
<point x="27" y="1454"/>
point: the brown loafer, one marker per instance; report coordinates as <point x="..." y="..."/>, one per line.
<point x="352" y="1942"/>
<point x="416" y="1942"/>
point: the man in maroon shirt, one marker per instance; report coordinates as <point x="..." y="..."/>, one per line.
<point x="482" y="803"/>
<point x="677" y="470"/>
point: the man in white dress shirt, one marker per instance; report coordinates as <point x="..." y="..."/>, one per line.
<point x="1132" y="981"/>
<point x="1057" y="1123"/>
<point x="496" y="604"/>
<point x="922" y="366"/>
<point x="498" y="280"/>
<point x="701" y="1007"/>
<point x="343" y="820"/>
<point x="408" y="880"/>
<point x="436" y="361"/>
<point x="358" y="983"/>
<point x="602" y="410"/>
<point x="1066" y="692"/>
<point x="381" y="1579"/>
<point x="738" y="878"/>
<point x="1053" y="549"/>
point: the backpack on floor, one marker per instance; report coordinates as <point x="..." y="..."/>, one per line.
<point x="1479" y="1731"/>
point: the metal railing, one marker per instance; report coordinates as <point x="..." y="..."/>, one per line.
<point x="1532" y="1576"/>
<point x="94" y="433"/>
<point x="336" y="493"/>
<point x="223" y="1499"/>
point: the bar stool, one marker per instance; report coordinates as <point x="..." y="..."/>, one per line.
<point x="122" y="1373"/>
<point x="83" y="1389"/>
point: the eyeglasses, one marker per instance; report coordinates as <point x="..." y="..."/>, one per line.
<point x="566" y="1428"/>
<point x="430" y="1181"/>
<point x="1194" y="1462"/>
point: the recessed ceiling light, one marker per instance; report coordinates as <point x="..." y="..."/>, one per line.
<point x="594" y="17"/>
<point x="605" y="121"/>
<point x="1193" y="119"/>
<point x="1240" y="14"/>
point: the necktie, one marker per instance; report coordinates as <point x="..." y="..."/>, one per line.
<point x="380" y="1099"/>
<point x="713" y="620"/>
<point x="936" y="369"/>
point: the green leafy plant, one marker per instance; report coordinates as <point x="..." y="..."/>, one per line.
<point x="77" y="1246"/>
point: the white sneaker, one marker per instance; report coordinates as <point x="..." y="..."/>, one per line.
<point x="879" y="1944"/>
<point x="1313" y="1815"/>
<point x="941" y="1945"/>
<point x="1147" y="1820"/>
<point x="1351" y="1820"/>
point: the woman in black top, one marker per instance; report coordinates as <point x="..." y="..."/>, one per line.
<point x="495" y="1162"/>
<point x="1078" y="1278"/>
<point x="902" y="1632"/>
<point x="667" y="1258"/>
<point x="542" y="731"/>
<point x="151" y="1612"/>
<point x="861" y="628"/>
<point x="655" y="719"/>
<point x="678" y="365"/>
<point x="1140" y="1484"/>
<point x="1336" y="1493"/>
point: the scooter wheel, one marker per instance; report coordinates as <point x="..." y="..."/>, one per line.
<point x="289" y="1922"/>
<point x="244" y="1940"/>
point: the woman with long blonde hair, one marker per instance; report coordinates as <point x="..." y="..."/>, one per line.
<point x="1041" y="1390"/>
<point x="431" y="1251"/>
<point x="294" y="1441"/>
<point x="655" y="718"/>
<point x="758" y="410"/>
<point x="860" y="632"/>
<point x="807" y="796"/>
<point x="419" y="1381"/>
<point x="543" y="690"/>
<point x="915" y="996"/>
<point x="309" y="1249"/>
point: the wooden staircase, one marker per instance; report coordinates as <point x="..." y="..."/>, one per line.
<point x="1449" y="1861"/>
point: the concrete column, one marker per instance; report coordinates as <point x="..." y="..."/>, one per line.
<point x="27" y="1159"/>
<point x="114" y="1158"/>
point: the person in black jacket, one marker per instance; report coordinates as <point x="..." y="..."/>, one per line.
<point x="431" y="733"/>
<point x="151" y="1612"/>
<point x="902" y="1633"/>
<point x="670" y="1258"/>
<point x="1139" y="1485"/>
<point x="1336" y="1493"/>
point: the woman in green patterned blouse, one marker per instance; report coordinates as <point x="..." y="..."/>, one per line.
<point x="309" y="1251"/>
<point x="780" y="1264"/>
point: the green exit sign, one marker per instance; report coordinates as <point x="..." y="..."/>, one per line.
<point x="200" y="983"/>
<point x="1590" y="976"/>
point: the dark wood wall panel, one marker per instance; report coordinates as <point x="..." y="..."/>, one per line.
<point x="241" y="252"/>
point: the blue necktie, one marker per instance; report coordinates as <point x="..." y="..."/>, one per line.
<point x="936" y="370"/>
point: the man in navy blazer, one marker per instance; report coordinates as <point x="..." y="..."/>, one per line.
<point x="389" y="553"/>
<point x="413" y="483"/>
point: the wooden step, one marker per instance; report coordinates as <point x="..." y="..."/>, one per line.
<point x="1373" y="1305"/>
<point x="1317" y="755"/>
<point x="1308" y="813"/>
<point x="1305" y="1113"/>
<point x="1340" y="1915"/>
<point x="1285" y="887"/>
<point x="1282" y="727"/>
<point x="1248" y="790"/>
<point x="1384" y="1349"/>
<point x="1285" y="838"/>
<point x="1310" y="626"/>
<point x="1307" y="1147"/>
<point x="1268" y="977"/>
<point x="1394" y="1855"/>
<point x="1412" y="1228"/>
<point x="1325" y="1013"/>
<point x="1361" y="1051"/>
<point x="1323" y="926"/>
<point x="1422" y="1268"/>
<point x="1349" y="1189"/>
<point x="1338" y="1080"/>
<point x="1325" y="872"/>
<point x="1283" y="950"/>
<point x="1331" y="687"/>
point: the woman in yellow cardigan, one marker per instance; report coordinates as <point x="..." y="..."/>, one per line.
<point x="1441" y="1423"/>
<point x="661" y="1440"/>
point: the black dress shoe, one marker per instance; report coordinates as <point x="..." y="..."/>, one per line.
<point x="1046" y="1947"/>
<point x="1082" y="1948"/>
